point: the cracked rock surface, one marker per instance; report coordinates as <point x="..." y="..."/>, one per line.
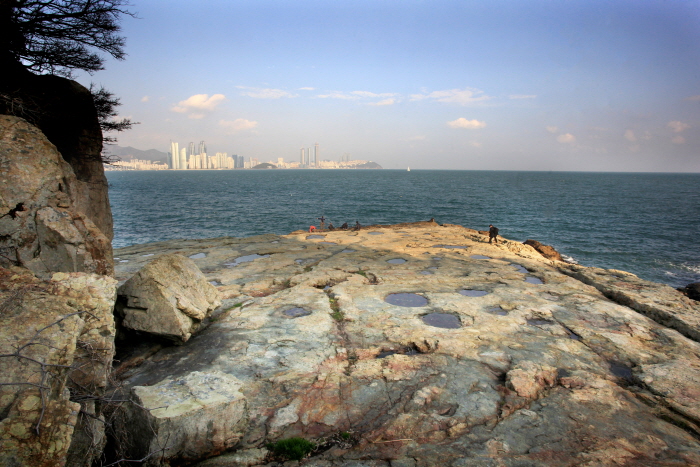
<point x="484" y="354"/>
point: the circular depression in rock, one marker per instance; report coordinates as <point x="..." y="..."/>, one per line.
<point x="327" y="243"/>
<point x="406" y="299"/>
<point x="348" y="250"/>
<point x="533" y="280"/>
<point x="437" y="258"/>
<point x="426" y="273"/>
<point x="296" y="312"/>
<point x="473" y="293"/>
<point x="376" y="233"/>
<point x="452" y="247"/>
<point x="520" y="268"/>
<point x="539" y="322"/>
<point x="480" y="257"/>
<point x="198" y="256"/>
<point x="314" y="236"/>
<point x="497" y="310"/>
<point x="396" y="261"/>
<point x="442" y="320"/>
<point x="245" y="259"/>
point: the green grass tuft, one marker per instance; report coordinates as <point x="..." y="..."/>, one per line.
<point x="291" y="448"/>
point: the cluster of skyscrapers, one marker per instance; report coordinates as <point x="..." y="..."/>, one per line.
<point x="306" y="158"/>
<point x="190" y="158"/>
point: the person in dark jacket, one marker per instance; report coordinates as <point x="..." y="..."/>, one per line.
<point x="493" y="233"/>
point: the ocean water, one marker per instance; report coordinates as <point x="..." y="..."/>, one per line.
<point x="647" y="224"/>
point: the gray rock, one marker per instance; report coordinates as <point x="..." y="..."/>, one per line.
<point x="169" y="297"/>
<point x="562" y="375"/>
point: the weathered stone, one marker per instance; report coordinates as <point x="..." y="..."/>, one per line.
<point x="169" y="297"/>
<point x="56" y="335"/>
<point x="547" y="251"/>
<point x="692" y="291"/>
<point x="41" y="227"/>
<point x="187" y="418"/>
<point x="550" y="374"/>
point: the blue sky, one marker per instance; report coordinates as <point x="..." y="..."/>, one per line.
<point x="499" y="85"/>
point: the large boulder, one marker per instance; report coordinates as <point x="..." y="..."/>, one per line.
<point x="169" y="297"/>
<point x="42" y="227"/>
<point x="547" y="251"/>
<point x="56" y="349"/>
<point x="185" y="419"/>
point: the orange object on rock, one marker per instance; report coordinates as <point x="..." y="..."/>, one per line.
<point x="312" y="228"/>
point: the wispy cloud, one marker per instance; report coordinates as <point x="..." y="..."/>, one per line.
<point x="265" y="93"/>
<point x="552" y="129"/>
<point x="678" y="139"/>
<point x="389" y="101"/>
<point x="145" y="99"/>
<point x="468" y="124"/>
<point x="566" y="138"/>
<point x="307" y="89"/>
<point x="196" y="106"/>
<point x="630" y="136"/>
<point x="454" y="96"/>
<point x="677" y="126"/>
<point x="522" y="96"/>
<point x="356" y="95"/>
<point x="239" y="124"/>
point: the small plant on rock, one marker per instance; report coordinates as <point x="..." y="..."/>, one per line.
<point x="291" y="448"/>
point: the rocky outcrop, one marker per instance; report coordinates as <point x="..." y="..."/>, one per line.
<point x="424" y="345"/>
<point x="64" y="111"/>
<point x="56" y="351"/>
<point x="41" y="225"/>
<point x="692" y="291"/>
<point x="545" y="250"/>
<point x="169" y="298"/>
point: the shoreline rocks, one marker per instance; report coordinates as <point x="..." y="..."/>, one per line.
<point x="550" y="364"/>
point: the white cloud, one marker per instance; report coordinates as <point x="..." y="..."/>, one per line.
<point x="455" y="96"/>
<point x="522" y="96"/>
<point x="372" y="94"/>
<point x="464" y="123"/>
<point x="265" y="93"/>
<point x="338" y="95"/>
<point x="390" y="101"/>
<point x="239" y="124"/>
<point x="678" y="127"/>
<point x="678" y="139"/>
<point x="199" y="102"/>
<point x="552" y="129"/>
<point x="566" y="138"/>
<point x="307" y="89"/>
<point x="145" y="99"/>
<point x="475" y="144"/>
<point x="630" y="136"/>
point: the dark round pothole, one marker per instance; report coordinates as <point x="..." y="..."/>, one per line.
<point x="442" y="320"/>
<point x="348" y="250"/>
<point x="497" y="310"/>
<point x="296" y="312"/>
<point x="308" y="237"/>
<point x="533" y="280"/>
<point x="480" y="257"/>
<point x="396" y="261"/>
<point x="376" y="233"/>
<point x="406" y="299"/>
<point x="473" y="293"/>
<point x="198" y="256"/>
<point x="539" y="322"/>
<point x="520" y="268"/>
<point x="426" y="273"/>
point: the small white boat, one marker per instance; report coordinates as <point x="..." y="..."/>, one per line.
<point x="409" y="169"/>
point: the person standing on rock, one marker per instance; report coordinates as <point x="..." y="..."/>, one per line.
<point x="493" y="233"/>
<point x="323" y="222"/>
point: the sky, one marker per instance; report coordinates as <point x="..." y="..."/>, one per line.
<point x="571" y="85"/>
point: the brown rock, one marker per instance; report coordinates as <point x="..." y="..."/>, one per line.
<point x="41" y="227"/>
<point x="54" y="334"/>
<point x="545" y="250"/>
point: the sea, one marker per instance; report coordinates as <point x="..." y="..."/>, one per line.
<point x="644" y="223"/>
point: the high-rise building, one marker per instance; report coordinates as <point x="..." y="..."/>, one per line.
<point x="183" y="159"/>
<point x="174" y="155"/>
<point x="302" y="158"/>
<point x="316" y="155"/>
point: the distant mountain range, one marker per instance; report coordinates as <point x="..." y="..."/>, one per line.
<point x="128" y="153"/>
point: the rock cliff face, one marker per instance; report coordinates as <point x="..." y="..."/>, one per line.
<point x="42" y="226"/>
<point x="417" y="345"/>
<point x="56" y="349"/>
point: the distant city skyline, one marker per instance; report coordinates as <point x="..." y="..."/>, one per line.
<point x="531" y="85"/>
